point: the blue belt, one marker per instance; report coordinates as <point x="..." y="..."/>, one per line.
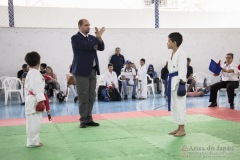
<point x="169" y="82"/>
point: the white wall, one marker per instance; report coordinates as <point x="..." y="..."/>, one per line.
<point x="43" y="17"/>
<point x="54" y="46"/>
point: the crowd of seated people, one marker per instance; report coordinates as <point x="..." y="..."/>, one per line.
<point x="153" y="74"/>
<point x="135" y="77"/>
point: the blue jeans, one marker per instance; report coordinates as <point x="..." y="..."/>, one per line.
<point x="125" y="84"/>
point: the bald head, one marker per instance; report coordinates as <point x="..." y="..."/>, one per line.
<point x="84" y="26"/>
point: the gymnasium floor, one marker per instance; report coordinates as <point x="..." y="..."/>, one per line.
<point x="129" y="130"/>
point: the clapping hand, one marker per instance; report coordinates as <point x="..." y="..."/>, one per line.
<point x="98" y="32"/>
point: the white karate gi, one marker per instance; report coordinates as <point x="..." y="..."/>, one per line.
<point x="111" y="78"/>
<point x="178" y="104"/>
<point x="142" y="75"/>
<point x="35" y="83"/>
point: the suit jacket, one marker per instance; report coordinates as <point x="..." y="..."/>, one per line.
<point x="84" y="54"/>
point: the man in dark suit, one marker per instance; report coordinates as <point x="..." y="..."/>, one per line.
<point x="84" y="67"/>
<point x="118" y="61"/>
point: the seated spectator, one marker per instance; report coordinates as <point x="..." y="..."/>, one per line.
<point x="51" y="82"/>
<point x="142" y="80"/>
<point x="164" y="74"/>
<point x="24" y="75"/>
<point x="153" y="74"/>
<point x="199" y="92"/>
<point x="43" y="67"/>
<point x="134" y="66"/>
<point x="230" y="81"/>
<point x="71" y="84"/>
<point x="128" y="75"/>
<point x="111" y="77"/>
<point x="20" y="73"/>
<point x="190" y="80"/>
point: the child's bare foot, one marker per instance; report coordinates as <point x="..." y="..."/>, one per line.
<point x="33" y="146"/>
<point x="40" y="144"/>
<point x="173" y="132"/>
<point x="180" y="133"/>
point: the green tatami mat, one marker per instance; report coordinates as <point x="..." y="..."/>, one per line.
<point x="127" y="139"/>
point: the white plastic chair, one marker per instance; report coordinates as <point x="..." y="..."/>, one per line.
<point x="102" y="79"/>
<point x="13" y="84"/>
<point x="150" y="85"/>
<point x="67" y="89"/>
<point x="1" y="84"/>
<point x="199" y="78"/>
<point x="129" y="88"/>
<point x="238" y="99"/>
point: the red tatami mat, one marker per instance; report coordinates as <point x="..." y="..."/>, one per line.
<point x="217" y="112"/>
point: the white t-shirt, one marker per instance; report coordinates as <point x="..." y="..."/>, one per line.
<point x="230" y="76"/>
<point x="129" y="73"/>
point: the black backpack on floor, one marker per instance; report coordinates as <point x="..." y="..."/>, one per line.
<point x="114" y="95"/>
<point x="60" y="96"/>
<point x="100" y="89"/>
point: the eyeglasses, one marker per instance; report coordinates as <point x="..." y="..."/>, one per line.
<point x="228" y="57"/>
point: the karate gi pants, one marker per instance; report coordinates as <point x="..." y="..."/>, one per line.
<point x="178" y="107"/>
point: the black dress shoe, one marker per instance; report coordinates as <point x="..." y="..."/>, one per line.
<point x="22" y="103"/>
<point x="133" y="97"/>
<point x="213" y="105"/>
<point x="92" y="124"/>
<point x="75" y="99"/>
<point x="125" y="97"/>
<point x="231" y="106"/>
<point x="82" y="124"/>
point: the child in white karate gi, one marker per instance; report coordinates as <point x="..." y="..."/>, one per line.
<point x="34" y="85"/>
<point x="142" y="80"/>
<point x="177" y="66"/>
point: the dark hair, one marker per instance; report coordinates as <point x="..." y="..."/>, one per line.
<point x="24" y="66"/>
<point x="117" y="48"/>
<point x="110" y="64"/>
<point x="142" y="60"/>
<point x="51" y="74"/>
<point x="44" y="65"/>
<point x="176" y="37"/>
<point x="230" y="54"/>
<point x="188" y="59"/>
<point x="80" y="22"/>
<point x="32" y="58"/>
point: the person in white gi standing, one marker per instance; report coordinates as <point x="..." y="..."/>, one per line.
<point x="142" y="79"/>
<point x="177" y="66"/>
<point x="34" y="85"/>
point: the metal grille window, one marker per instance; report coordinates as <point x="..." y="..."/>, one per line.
<point x="162" y="3"/>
